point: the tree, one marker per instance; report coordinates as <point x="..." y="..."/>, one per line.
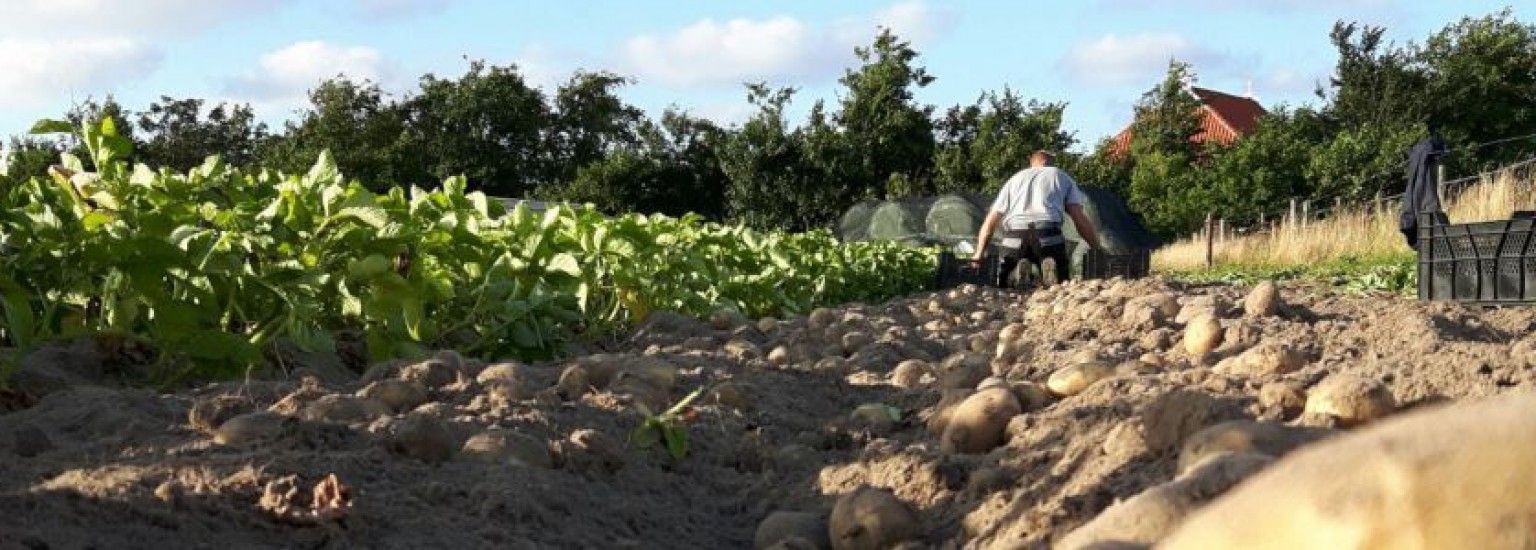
<point x="981" y="145"/>
<point x="771" y="183"/>
<point x="1373" y="82"/>
<point x="1481" y="74"/>
<point x="28" y="157"/>
<point x="673" y="170"/>
<point x="1162" y="183"/>
<point x="590" y="121"/>
<point x="488" y="125"/>
<point x="174" y="134"/>
<point x="361" y="129"/>
<point x="886" y="131"/>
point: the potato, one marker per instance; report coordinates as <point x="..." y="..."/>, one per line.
<point x="1073" y="380"/>
<point x="1011" y="332"/>
<point x="591" y="451"/>
<point x="779" y="356"/>
<point x="1245" y="436"/>
<point x="253" y="427"/>
<point x="641" y="391"/>
<point x="724" y="319"/>
<point x="909" y="374"/>
<point x="767" y="325"/>
<point x="396" y="395"/>
<point x="421" y="436"/>
<point x="507" y="447"/>
<point x="875" y="417"/>
<point x="344" y="409"/>
<point x="939" y="414"/>
<point x="1149" y="516"/>
<point x="992" y="382"/>
<point x="1350" y="399"/>
<point x="432" y="374"/>
<point x="209" y="413"/>
<point x="507" y="372"/>
<point x="870" y="519"/>
<point x="976" y="425"/>
<point x="855" y="341"/>
<point x="1013" y="351"/>
<point x="1173" y="416"/>
<point x="1286" y="397"/>
<point x="574" y="382"/>
<point x="1263" y="300"/>
<point x="1455" y="476"/>
<point x="1031" y="396"/>
<point x="1202" y="335"/>
<point x="820" y="319"/>
<point x="963" y="370"/>
<point x="1269" y="358"/>
<point x="783" y="526"/>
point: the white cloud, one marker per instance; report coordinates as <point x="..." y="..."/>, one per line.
<point x="783" y="48"/>
<point x="1113" y="59"/>
<point x="283" y="77"/>
<point x="86" y="18"/>
<point x="38" y="71"/>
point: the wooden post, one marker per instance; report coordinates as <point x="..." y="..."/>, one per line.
<point x="1376" y="209"/>
<point x="1221" y="231"/>
<point x="1292" y="219"/>
<point x="1440" y="183"/>
<point x="1338" y="203"/>
<point x="1210" y="245"/>
<point x="1306" y="212"/>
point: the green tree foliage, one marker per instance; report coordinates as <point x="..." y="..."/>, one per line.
<point x="1482" y="81"/>
<point x="1163" y="184"/>
<point x="174" y="133"/>
<point x="28" y="157"/>
<point x="886" y="131"/>
<point x="357" y="124"/>
<point x="672" y="170"/>
<point x="591" y="120"/>
<point x="771" y="183"/>
<point x="982" y="144"/>
<point x="488" y="125"/>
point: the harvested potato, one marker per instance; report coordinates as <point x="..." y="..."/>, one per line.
<point x="1149" y="516"/>
<point x="1074" y="379"/>
<point x="591" y="451"/>
<point x="1269" y="358"/>
<point x="1246" y="436"/>
<point x="855" y="341"/>
<point x="724" y="319"/>
<point x="938" y="417"/>
<point x="396" y="395"/>
<point x="433" y="373"/>
<point x="506" y="372"/>
<point x="1031" y="396"/>
<point x="878" y="418"/>
<point x="1350" y="399"/>
<point x="210" y="413"/>
<point x="767" y="325"/>
<point x="507" y="447"/>
<point x="1173" y="416"/>
<point x="344" y="409"/>
<point x="779" y="356"/>
<point x="909" y="374"/>
<point x="992" y="382"/>
<point x="1456" y="476"/>
<point x="1011" y="332"/>
<point x="820" y="319"/>
<point x="976" y="425"/>
<point x="870" y="519"/>
<point x="963" y="370"/>
<point x="253" y="427"/>
<point x="1263" y="300"/>
<point x="641" y="391"/>
<point x="1286" y="397"/>
<point x="782" y="526"/>
<point x="1013" y="351"/>
<point x="574" y="382"/>
<point x="421" y="436"/>
<point x="1202" y="335"/>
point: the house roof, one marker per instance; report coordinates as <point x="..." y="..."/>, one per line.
<point x="1224" y="118"/>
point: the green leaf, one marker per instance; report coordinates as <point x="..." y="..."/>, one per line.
<point x="566" y="263"/>
<point x="51" y="126"/>
<point x="677" y="441"/>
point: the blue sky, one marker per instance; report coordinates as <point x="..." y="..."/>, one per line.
<point x="1097" y="55"/>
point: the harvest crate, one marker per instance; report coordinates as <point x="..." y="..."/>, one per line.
<point x="955" y="271"/>
<point x="1098" y="264"/>
<point x="1486" y="263"/>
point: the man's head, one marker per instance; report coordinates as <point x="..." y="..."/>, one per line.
<point x="1040" y="158"/>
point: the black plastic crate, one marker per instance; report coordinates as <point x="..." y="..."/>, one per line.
<point x="1488" y="263"/>
<point x="1098" y="264"/>
<point x="954" y="271"/>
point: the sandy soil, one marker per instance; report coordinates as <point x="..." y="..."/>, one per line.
<point x="86" y="462"/>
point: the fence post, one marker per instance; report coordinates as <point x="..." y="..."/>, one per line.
<point x="1210" y="245"/>
<point x="1293" y="219"/>
<point x="1221" y="230"/>
<point x="1338" y="203"/>
<point x="1440" y="182"/>
<point x="1376" y="209"/>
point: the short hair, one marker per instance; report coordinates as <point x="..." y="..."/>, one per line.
<point x="1041" y="156"/>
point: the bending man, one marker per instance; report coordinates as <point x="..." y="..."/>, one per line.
<point x="1029" y="208"/>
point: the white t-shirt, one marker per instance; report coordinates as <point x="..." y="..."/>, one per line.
<point x="1036" y="195"/>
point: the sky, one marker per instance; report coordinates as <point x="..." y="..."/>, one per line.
<point x="1098" y="56"/>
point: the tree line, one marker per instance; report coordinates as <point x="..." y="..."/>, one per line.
<point x="1472" y="81"/>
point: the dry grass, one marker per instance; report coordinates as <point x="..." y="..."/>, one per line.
<point x="1354" y="233"/>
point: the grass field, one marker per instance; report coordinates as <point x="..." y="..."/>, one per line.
<point x="1357" y="247"/>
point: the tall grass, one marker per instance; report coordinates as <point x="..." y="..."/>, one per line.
<point x="1359" y="234"/>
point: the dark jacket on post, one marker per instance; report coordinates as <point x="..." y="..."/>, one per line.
<point x="1421" y="196"/>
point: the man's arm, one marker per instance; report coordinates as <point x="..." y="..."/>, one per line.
<point x="985" y="236"/>
<point x="1084" y="225"/>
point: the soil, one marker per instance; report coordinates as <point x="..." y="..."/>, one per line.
<point x="88" y="462"/>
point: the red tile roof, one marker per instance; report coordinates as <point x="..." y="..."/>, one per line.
<point x="1225" y="117"/>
